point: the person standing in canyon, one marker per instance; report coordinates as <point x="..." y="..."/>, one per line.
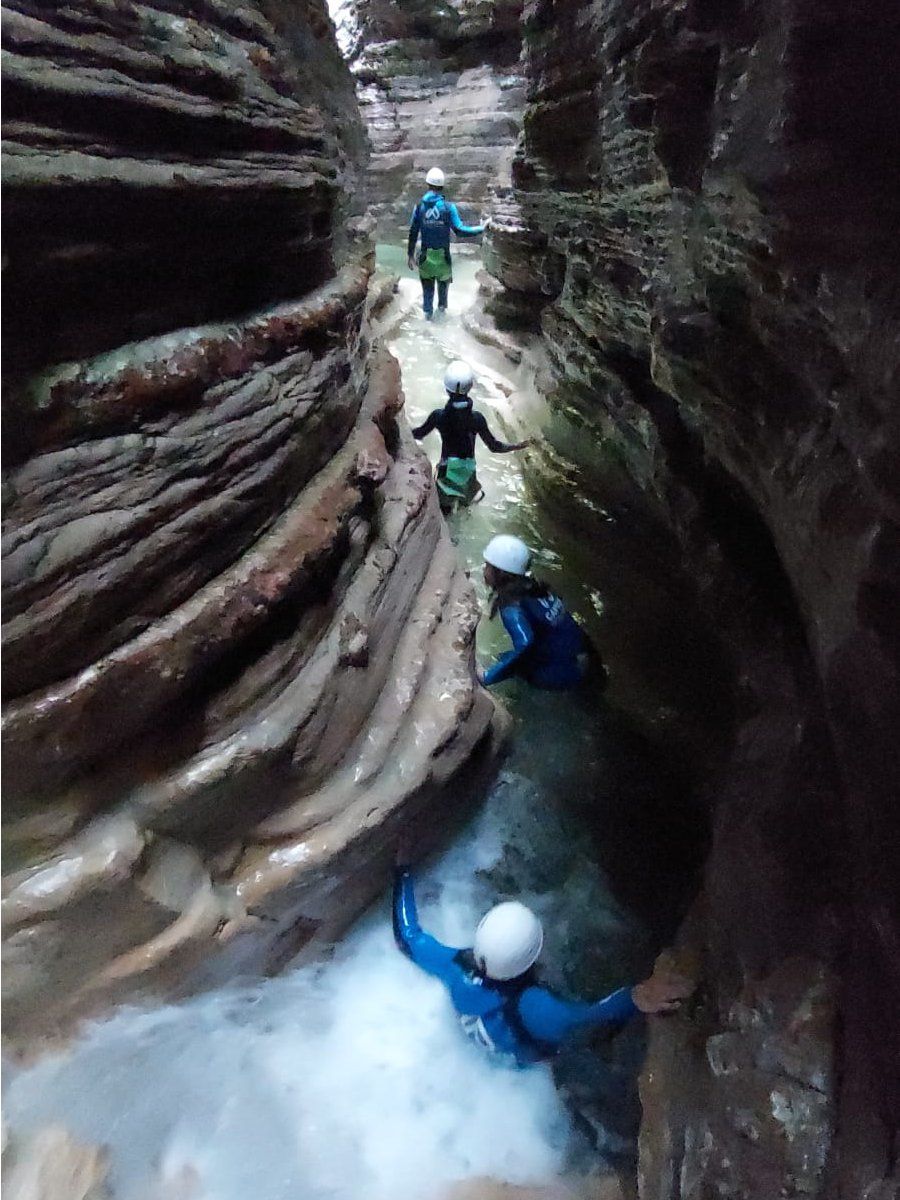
<point x="550" y="650"/>
<point x="432" y="220"/>
<point x="459" y="424"/>
<point x="494" y="988"/>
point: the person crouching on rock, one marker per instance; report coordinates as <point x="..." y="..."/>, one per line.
<point x="493" y="984"/>
<point x="432" y="219"/>
<point x="459" y="424"/>
<point x="550" y="649"/>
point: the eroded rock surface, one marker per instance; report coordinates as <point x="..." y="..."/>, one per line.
<point x="237" y="639"/>
<point x="703" y="229"/>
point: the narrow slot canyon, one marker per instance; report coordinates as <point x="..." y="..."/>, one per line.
<point x="245" y="647"/>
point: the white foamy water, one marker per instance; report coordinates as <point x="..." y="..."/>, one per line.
<point x="346" y="1079"/>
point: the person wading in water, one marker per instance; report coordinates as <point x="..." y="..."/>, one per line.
<point x="549" y="648"/>
<point x="432" y="220"/>
<point x="459" y="424"/>
<point x="494" y="988"/>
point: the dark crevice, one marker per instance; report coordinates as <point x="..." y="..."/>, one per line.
<point x="725" y="509"/>
<point x="681" y="83"/>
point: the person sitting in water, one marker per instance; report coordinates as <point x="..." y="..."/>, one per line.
<point x="432" y="219"/>
<point x="550" y="649"/>
<point x="493" y="986"/>
<point x="459" y="424"/>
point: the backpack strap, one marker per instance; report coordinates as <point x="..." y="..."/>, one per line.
<point x="509" y="994"/>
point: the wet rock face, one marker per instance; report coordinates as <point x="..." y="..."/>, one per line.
<point x="438" y="85"/>
<point x="752" y="1112"/>
<point x="170" y="163"/>
<point x="702" y="228"/>
<point x="237" y="641"/>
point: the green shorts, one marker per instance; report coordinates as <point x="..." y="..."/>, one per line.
<point x="434" y="264"/>
<point x="456" y="479"/>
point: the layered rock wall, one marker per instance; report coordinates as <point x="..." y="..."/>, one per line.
<point x="237" y="641"/>
<point x="703" y="228"/>
<point x="438" y="85"/>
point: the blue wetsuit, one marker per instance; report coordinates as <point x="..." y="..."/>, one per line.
<point x="515" y="1017"/>
<point x="432" y="219"/>
<point x="549" y="648"/>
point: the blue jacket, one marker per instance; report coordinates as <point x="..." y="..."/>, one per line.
<point x="547" y="642"/>
<point x="433" y="218"/>
<point x="516" y="1018"/>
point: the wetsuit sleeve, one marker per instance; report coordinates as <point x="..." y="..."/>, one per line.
<point x="520" y="630"/>
<point x="551" y="1019"/>
<point x="432" y="421"/>
<point x="458" y="227"/>
<point x="414" y="227"/>
<point x="480" y="425"/>
<point x="424" y="950"/>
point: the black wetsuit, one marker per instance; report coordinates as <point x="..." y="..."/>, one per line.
<point x="459" y="428"/>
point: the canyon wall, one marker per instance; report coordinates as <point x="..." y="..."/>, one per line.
<point x="438" y="85"/>
<point x="702" y="229"/>
<point x="237" y="643"/>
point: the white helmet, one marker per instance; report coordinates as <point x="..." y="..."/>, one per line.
<point x="435" y="177"/>
<point x="507" y="553"/>
<point x="508" y="940"/>
<point x="458" y="378"/>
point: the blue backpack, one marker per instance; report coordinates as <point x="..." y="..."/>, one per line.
<point x="434" y="216"/>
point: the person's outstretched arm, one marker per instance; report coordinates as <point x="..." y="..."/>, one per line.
<point x="551" y="1019"/>
<point x="494" y="443"/>
<point x="424" y="950"/>
<point x="521" y="632"/>
<point x="430" y="423"/>
<point x="415" y="225"/>
<point x="463" y="230"/>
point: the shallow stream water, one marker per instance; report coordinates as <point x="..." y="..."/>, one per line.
<point x="350" y="1078"/>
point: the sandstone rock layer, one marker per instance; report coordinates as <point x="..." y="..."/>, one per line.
<point x="237" y="640"/>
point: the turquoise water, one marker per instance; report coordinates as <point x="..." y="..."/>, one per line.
<point x="584" y="753"/>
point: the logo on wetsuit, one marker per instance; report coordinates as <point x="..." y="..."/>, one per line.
<point x="433" y="214"/>
<point x="553" y="609"/>
<point x="473" y="1027"/>
<point x="528" y="1047"/>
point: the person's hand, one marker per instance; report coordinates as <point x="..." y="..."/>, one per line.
<point x="411" y="263"/>
<point x="663" y="992"/>
<point x="486" y="224"/>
